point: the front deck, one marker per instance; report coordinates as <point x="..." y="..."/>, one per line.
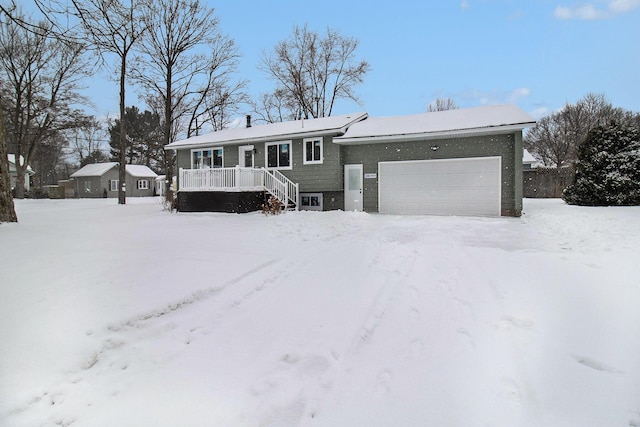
<point x="217" y="189"/>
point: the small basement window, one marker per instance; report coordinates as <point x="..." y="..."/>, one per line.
<point x="311" y="201"/>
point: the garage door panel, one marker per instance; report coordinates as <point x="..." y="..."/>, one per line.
<point x="468" y="186"/>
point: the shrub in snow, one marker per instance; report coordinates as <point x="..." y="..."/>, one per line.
<point x="608" y="168"/>
<point x="272" y="207"/>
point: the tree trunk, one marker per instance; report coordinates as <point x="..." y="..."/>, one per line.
<point x="122" y="175"/>
<point x="7" y="210"/>
<point x="20" y="177"/>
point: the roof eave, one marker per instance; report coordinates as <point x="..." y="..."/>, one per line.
<point x="304" y="134"/>
<point x="433" y="135"/>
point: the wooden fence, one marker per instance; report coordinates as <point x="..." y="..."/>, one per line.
<point x="547" y="182"/>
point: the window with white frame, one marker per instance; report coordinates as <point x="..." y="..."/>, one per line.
<point x="278" y="155"/>
<point x="312" y="151"/>
<point x="311" y="201"/>
<point x="87" y="186"/>
<point x="113" y="185"/>
<point x="206" y="159"/>
<point x="143" y="184"/>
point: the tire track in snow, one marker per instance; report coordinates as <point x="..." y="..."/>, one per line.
<point x="53" y="396"/>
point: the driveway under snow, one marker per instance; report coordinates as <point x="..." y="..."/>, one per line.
<point x="131" y="316"/>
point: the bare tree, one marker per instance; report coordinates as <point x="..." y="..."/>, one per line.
<point x="7" y="210"/>
<point x="40" y="76"/>
<point x="112" y="27"/>
<point x="555" y="138"/>
<point x="442" y="104"/>
<point x="87" y="143"/>
<point x="313" y="72"/>
<point x="183" y="58"/>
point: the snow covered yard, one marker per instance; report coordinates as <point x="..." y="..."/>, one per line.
<point x="130" y="316"/>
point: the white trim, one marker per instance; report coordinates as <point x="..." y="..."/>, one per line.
<point x="212" y="149"/>
<point x="356" y="204"/>
<point x="241" y="150"/>
<point x="278" y="143"/>
<point x="310" y="206"/>
<point x="304" y="151"/>
<point x="145" y="184"/>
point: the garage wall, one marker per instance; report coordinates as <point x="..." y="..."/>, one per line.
<point x="504" y="146"/>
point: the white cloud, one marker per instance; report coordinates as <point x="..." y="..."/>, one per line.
<point x="589" y="12"/>
<point x="622" y="6"/>
<point x="464" y="5"/>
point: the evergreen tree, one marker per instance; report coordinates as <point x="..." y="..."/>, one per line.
<point x="144" y="138"/>
<point x="608" y="168"/>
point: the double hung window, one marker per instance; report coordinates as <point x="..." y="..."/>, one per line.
<point x="143" y="184"/>
<point x="279" y="155"/>
<point x="113" y="185"/>
<point x="312" y="151"/>
<point x="206" y="159"/>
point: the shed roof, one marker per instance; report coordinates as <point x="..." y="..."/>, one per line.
<point x="333" y="125"/>
<point x="99" y="169"/>
<point x="94" y="169"/>
<point x="440" y="124"/>
<point x="140" y="171"/>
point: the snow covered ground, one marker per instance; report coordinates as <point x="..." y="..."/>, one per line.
<point x="131" y="316"/>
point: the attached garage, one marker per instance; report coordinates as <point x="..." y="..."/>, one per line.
<point x="466" y="186"/>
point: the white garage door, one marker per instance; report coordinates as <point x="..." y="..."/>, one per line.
<point x="468" y="186"/>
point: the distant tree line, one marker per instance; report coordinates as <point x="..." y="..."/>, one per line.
<point x="175" y="52"/>
<point x="555" y="138"/>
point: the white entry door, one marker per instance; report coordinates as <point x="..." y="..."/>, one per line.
<point x="245" y="154"/>
<point x="353" y="188"/>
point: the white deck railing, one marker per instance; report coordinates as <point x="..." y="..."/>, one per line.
<point x="240" y="179"/>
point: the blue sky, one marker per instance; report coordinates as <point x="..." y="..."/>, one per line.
<point x="537" y="54"/>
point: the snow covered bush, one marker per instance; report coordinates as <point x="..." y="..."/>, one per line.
<point x="272" y="207"/>
<point x="608" y="168"/>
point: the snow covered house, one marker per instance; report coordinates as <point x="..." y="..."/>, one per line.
<point x="13" y="173"/>
<point x="457" y="162"/>
<point x="101" y="180"/>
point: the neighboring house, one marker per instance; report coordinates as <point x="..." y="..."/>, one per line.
<point x="528" y="161"/>
<point x="457" y="162"/>
<point x="101" y="180"/>
<point x="13" y="173"/>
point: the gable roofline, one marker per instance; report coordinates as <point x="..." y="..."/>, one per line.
<point x="99" y="169"/>
<point x="94" y="169"/>
<point x="332" y="125"/>
<point x="497" y="119"/>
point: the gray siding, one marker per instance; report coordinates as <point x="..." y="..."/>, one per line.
<point x="100" y="184"/>
<point x="505" y="146"/>
<point x="327" y="176"/>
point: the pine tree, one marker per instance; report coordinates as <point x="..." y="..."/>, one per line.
<point x="608" y="168"/>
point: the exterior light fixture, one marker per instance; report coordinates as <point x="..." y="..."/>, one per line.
<point x="434" y="148"/>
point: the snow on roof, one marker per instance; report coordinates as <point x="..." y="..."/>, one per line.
<point x="99" y="169"/>
<point x="94" y="169"/>
<point x="12" y="161"/>
<point x="437" y="124"/>
<point x="527" y="157"/>
<point x="336" y="125"/>
<point x="140" y="171"/>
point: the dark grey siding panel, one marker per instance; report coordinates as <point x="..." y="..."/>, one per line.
<point x="497" y="145"/>
<point x="317" y="177"/>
